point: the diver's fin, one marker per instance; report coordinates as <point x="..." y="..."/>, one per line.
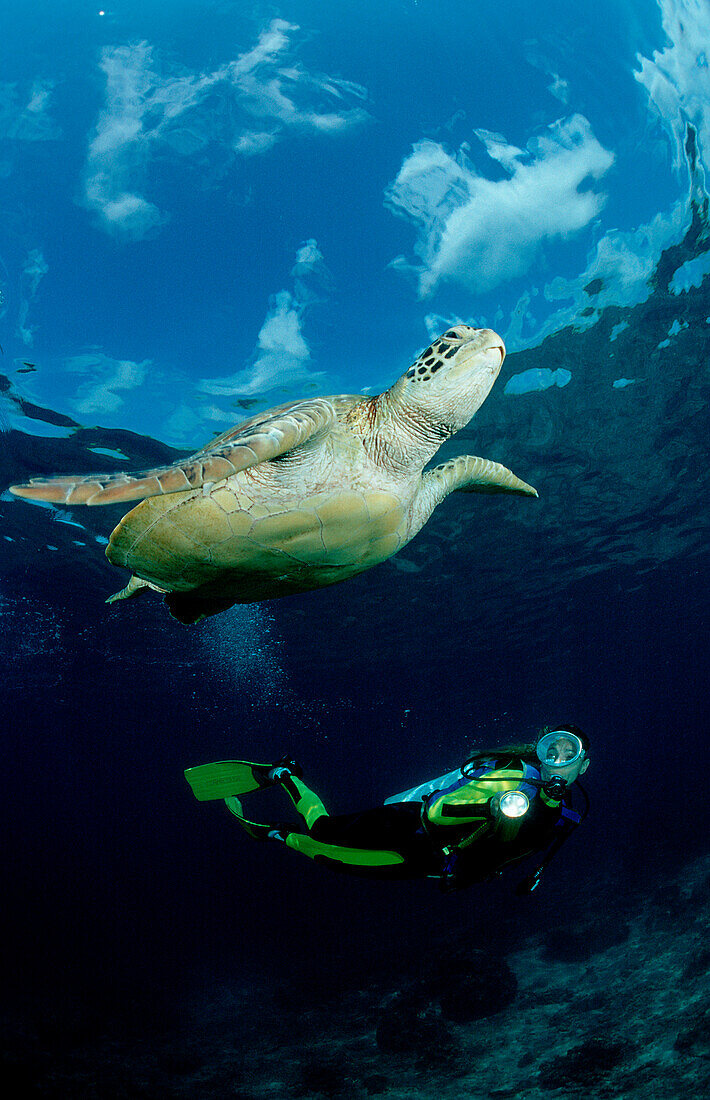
<point x="308" y="846"/>
<point x="225" y="778"/>
<point x="257" y="830"/>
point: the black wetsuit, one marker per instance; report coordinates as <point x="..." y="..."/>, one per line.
<point x="451" y="834"/>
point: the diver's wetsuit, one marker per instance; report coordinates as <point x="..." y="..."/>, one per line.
<point x="449" y="834"/>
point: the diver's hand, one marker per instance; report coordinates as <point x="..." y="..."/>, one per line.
<point x="494" y="806"/>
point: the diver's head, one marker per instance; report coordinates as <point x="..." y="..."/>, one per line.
<point x="562" y="753"/>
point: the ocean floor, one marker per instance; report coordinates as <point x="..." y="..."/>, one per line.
<point x="616" y="1004"/>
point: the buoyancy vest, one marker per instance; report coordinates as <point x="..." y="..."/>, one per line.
<point x="467" y="798"/>
<point x="465" y="803"/>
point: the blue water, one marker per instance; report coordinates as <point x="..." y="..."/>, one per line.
<point x="250" y="204"/>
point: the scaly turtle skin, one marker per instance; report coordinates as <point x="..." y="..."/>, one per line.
<point x="304" y="495"/>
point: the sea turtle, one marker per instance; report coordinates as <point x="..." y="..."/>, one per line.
<point x="303" y="495"/>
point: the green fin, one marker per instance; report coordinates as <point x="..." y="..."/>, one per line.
<point x="224" y="778"/>
<point x="316" y="849"/>
<point x="353" y="857"/>
<point x="256" y="829"/>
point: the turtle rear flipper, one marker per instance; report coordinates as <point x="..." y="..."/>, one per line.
<point x="183" y="606"/>
<point x="135" y="586"/>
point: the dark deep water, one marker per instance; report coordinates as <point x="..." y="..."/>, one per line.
<point x="136" y="917"/>
<point x="126" y="899"/>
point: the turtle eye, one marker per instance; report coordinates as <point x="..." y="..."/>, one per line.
<point x="451" y="335"/>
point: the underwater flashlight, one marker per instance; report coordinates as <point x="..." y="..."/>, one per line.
<point x="514" y="803"/>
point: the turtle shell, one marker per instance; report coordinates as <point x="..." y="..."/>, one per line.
<point x="238" y="542"/>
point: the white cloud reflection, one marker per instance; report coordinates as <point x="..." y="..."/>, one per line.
<point x="106" y="382"/>
<point x="677" y="78"/>
<point x="621" y="266"/>
<point x="244" y="107"/>
<point x="33" y="271"/>
<point x="282" y="357"/>
<point x="481" y="232"/>
<point x="537" y="379"/>
<point x="24" y="113"/>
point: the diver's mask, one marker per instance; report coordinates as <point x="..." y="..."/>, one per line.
<point x="560" y="753"/>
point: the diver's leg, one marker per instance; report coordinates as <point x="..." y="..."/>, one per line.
<point x="287" y="774"/>
<point x="308" y="805"/>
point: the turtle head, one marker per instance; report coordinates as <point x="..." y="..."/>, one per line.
<point x="452" y="378"/>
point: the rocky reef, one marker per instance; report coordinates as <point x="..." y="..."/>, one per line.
<point x="614" y="1004"/>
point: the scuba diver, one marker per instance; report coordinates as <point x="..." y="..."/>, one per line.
<point x="467" y="826"/>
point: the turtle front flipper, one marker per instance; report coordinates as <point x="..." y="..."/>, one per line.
<point x="469" y="474"/>
<point x="237" y="450"/>
<point x="465" y="474"/>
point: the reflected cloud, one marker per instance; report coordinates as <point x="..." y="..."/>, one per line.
<point x="33" y="271"/>
<point x="107" y="382"/>
<point x="282" y="356"/>
<point x="537" y="379"/>
<point x="24" y="115"/>
<point x="622" y="383"/>
<point x="244" y="108"/>
<point x="559" y="88"/>
<point x="482" y="232"/>
<point x="620" y="270"/>
<point x="677" y="78"/>
<point x="690" y="274"/>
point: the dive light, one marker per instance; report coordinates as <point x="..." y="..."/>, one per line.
<point x="514" y="803"/>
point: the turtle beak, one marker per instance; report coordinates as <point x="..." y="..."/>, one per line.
<point x="494" y="343"/>
<point x="493" y="358"/>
